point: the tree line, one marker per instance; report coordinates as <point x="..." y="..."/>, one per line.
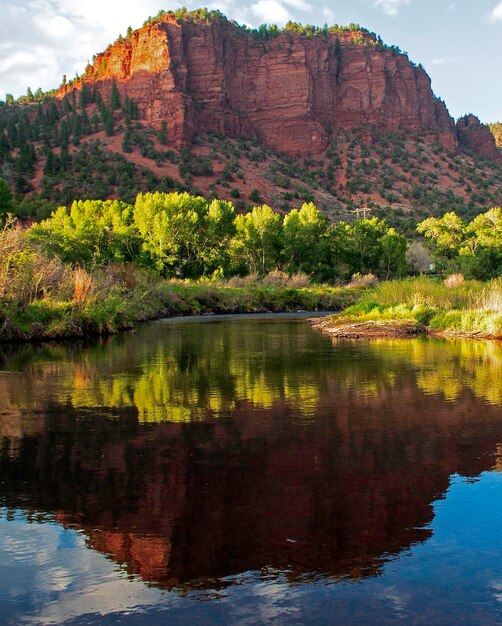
<point x="184" y="236"/>
<point x="178" y="235"/>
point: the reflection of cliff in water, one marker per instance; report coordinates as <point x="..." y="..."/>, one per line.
<point x="333" y="486"/>
<point x="178" y="502"/>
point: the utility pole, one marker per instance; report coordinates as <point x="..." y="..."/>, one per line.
<point x="361" y="211"/>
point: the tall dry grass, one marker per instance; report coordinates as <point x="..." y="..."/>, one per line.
<point x="83" y="286"/>
<point x="276" y="278"/>
<point x="465" y="308"/>
<point x="490" y="298"/>
<point x="26" y="274"/>
<point x="423" y="291"/>
<point x="454" y="280"/>
<point x="363" y="281"/>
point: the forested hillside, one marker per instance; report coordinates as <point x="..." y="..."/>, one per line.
<point x="53" y="152"/>
<point x="94" y="139"/>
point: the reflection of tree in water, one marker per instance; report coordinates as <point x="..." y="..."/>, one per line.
<point x="323" y="460"/>
<point x="189" y="371"/>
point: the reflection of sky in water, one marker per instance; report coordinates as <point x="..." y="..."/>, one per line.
<point x="48" y="576"/>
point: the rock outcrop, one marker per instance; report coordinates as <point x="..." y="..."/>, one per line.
<point x="289" y="90"/>
<point x="477" y="138"/>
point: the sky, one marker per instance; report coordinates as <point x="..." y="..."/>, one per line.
<point x="459" y="42"/>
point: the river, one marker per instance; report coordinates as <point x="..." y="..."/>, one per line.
<point x="250" y="471"/>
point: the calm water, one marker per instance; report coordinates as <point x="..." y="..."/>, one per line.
<point x="250" y="471"/>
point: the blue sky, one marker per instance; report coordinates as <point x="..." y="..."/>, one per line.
<point x="459" y="42"/>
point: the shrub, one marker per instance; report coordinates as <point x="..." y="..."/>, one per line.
<point x="276" y="278"/>
<point x="25" y="273"/>
<point x="363" y="281"/>
<point x="255" y="195"/>
<point x="454" y="280"/>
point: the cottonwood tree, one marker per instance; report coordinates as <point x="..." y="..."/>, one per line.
<point x="258" y="240"/>
<point x="306" y="245"/>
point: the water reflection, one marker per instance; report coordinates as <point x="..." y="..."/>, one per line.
<point x="184" y="372"/>
<point x="193" y="453"/>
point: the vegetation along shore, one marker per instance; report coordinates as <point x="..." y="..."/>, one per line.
<point x="453" y="308"/>
<point x="100" y="266"/>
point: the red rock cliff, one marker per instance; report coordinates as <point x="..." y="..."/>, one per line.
<point x="290" y="91"/>
<point x="478" y="138"/>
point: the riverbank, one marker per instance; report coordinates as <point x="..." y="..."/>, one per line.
<point x="417" y="306"/>
<point x="106" y="303"/>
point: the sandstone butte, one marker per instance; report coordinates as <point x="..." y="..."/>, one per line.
<point x="290" y="91"/>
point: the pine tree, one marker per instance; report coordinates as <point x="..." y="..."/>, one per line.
<point x="127" y="140"/>
<point x="115" y="97"/>
<point x="107" y="119"/>
<point x="6" y="200"/>
<point x="162" y="134"/>
<point x="49" y="167"/>
<point x="65" y="133"/>
<point x="84" y="96"/>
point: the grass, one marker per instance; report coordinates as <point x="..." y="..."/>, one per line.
<point x="117" y="307"/>
<point x="469" y="308"/>
<point x="43" y="298"/>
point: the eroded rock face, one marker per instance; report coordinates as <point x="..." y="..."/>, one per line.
<point x="289" y="91"/>
<point x="478" y="138"/>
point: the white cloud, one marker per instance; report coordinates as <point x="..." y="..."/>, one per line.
<point x="391" y="7"/>
<point x="328" y="14"/>
<point x="233" y="9"/>
<point x="496" y="15"/>
<point x="270" y="12"/>
<point x="112" y="15"/>
<point x="57" y="27"/>
<point x="298" y="4"/>
<point x="67" y="583"/>
<point x="40" y="40"/>
<point x="443" y="61"/>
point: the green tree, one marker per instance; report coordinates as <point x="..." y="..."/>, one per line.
<point x="218" y="228"/>
<point x="257" y="245"/>
<point x="485" y="243"/>
<point x="107" y="120"/>
<point x="393" y="257"/>
<point x="6" y="200"/>
<point x="255" y="195"/>
<point x="474" y="248"/>
<point x="306" y="246"/>
<point x="365" y="244"/>
<point x="90" y="231"/>
<point x="486" y="228"/>
<point x="448" y="234"/>
<point x="182" y="235"/>
<point x="162" y="134"/>
<point x="368" y="245"/>
<point x="127" y="140"/>
<point x="115" y="97"/>
<point x="84" y="97"/>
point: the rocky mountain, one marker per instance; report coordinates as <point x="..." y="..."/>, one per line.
<point x="478" y="138"/>
<point x="289" y="90"/>
<point x="194" y="100"/>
